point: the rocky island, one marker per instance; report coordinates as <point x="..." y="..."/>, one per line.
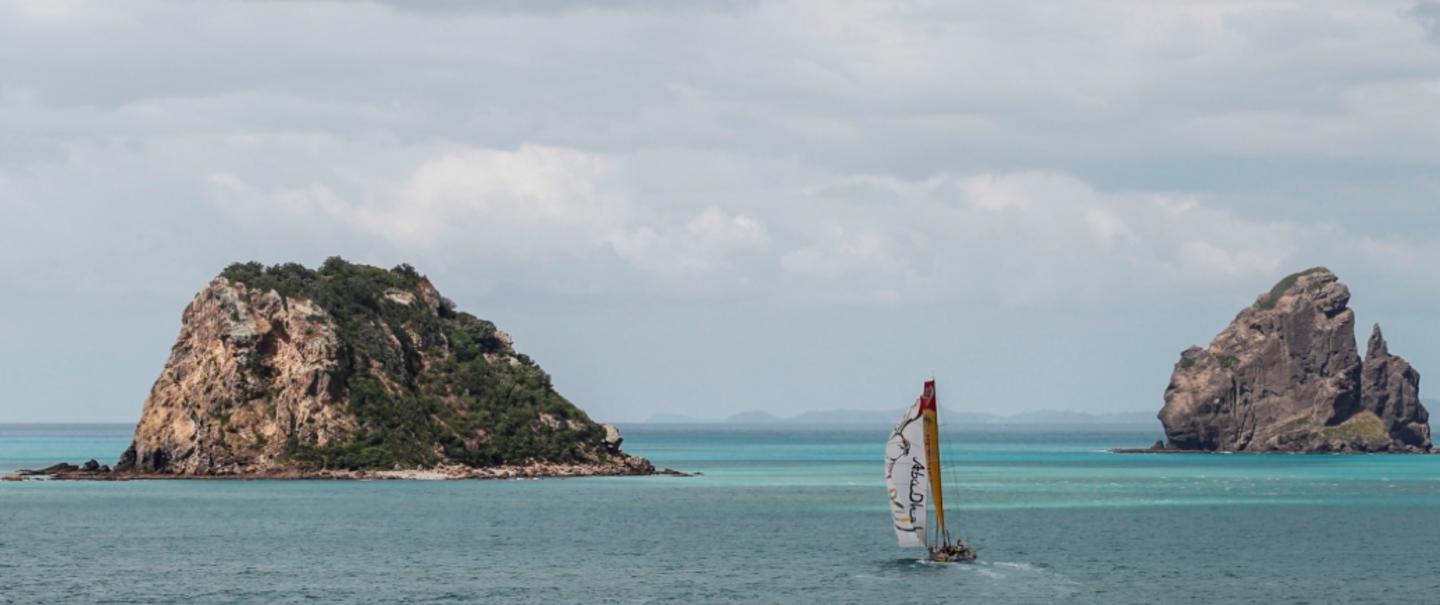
<point x="1286" y="376"/>
<point x="351" y="371"/>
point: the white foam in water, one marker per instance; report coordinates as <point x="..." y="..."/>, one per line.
<point x="1022" y="566"/>
<point x="987" y="572"/>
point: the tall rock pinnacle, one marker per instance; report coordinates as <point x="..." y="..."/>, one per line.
<point x="1390" y="389"/>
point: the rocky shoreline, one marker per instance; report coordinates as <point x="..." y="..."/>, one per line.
<point x="94" y="471"/>
<point x="1171" y="450"/>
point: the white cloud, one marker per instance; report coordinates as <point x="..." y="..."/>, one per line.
<point x="532" y="205"/>
<point x="1214" y="243"/>
<point x="1106" y="226"/>
<point x="1427" y="14"/>
<point x="699" y="224"/>
<point x="841" y="252"/>
<point x="46" y="10"/>
<point x="897" y="86"/>
<point x="708" y="244"/>
<point x="1409" y="261"/>
<point x="1371" y="121"/>
<point x="1027" y="237"/>
<point x="10" y="195"/>
<point x="530" y="202"/>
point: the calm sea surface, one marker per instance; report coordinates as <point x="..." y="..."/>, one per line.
<point x="779" y="516"/>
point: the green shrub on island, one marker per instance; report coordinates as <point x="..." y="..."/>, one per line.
<point x="1273" y="297"/>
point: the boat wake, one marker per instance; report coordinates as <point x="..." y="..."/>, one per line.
<point x="1007" y="579"/>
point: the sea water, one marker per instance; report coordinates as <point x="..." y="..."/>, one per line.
<point x="778" y="515"/>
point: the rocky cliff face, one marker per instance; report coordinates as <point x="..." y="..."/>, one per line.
<point x="1286" y="376"/>
<point x="249" y="372"/>
<point x="352" y="367"/>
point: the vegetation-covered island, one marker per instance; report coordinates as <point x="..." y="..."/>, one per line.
<point x="354" y="371"/>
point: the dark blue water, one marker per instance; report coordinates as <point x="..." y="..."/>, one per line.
<point x="779" y="516"/>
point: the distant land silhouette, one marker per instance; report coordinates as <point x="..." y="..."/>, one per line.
<point x="843" y="417"/>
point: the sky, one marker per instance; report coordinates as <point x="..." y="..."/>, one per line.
<point x="707" y="208"/>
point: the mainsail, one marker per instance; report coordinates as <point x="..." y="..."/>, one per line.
<point x="907" y="474"/>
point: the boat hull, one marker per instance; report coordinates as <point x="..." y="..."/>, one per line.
<point x="954" y="553"/>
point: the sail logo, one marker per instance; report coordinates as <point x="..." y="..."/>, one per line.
<point x="907" y="476"/>
<point x="917" y="487"/>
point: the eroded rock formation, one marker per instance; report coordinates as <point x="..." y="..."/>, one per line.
<point x="1285" y="375"/>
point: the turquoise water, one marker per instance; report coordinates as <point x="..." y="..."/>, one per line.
<point x="778" y="516"/>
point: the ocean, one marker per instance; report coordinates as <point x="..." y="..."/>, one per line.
<point x="779" y="515"/>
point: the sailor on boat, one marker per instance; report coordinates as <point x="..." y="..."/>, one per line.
<point x="912" y="473"/>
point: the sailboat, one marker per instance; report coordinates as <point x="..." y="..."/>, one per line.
<point x="912" y="472"/>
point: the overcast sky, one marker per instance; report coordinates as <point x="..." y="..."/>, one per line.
<point x="728" y="206"/>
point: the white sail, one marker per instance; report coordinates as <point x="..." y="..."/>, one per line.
<point x="908" y="478"/>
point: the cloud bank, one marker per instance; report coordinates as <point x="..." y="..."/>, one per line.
<point x="731" y="162"/>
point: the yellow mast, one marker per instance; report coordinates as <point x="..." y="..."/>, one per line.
<point x="932" y="458"/>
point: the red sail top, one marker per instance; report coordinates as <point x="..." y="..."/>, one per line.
<point x="927" y="399"/>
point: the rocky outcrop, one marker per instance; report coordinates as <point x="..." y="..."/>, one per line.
<point x="612" y="438"/>
<point x="1390" y="389"/>
<point x="1285" y="375"/>
<point x="286" y="371"/>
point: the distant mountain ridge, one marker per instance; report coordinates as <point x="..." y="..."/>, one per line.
<point x="852" y="417"/>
